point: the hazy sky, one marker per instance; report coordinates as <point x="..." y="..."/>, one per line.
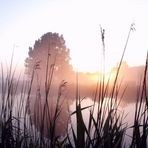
<point x="24" y="21"/>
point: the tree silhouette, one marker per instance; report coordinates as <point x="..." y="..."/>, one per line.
<point x="52" y="45"/>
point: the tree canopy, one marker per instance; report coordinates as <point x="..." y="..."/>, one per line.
<point x="52" y="45"/>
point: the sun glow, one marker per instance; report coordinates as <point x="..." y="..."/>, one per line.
<point x="106" y="77"/>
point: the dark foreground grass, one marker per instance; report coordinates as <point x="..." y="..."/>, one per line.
<point x="106" y="128"/>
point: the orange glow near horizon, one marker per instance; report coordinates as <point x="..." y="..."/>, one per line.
<point x="109" y="76"/>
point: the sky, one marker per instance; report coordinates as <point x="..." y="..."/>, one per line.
<point x="24" y="21"/>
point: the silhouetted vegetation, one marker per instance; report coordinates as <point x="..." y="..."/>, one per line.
<point x="31" y="118"/>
